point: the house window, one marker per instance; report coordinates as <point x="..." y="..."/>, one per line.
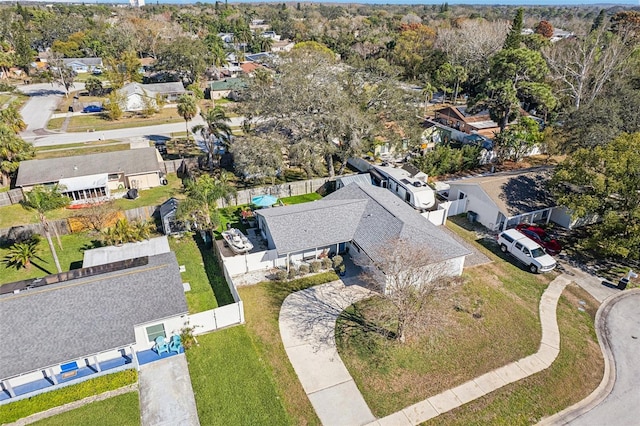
<point x="114" y="176"/>
<point x="153" y="331"/>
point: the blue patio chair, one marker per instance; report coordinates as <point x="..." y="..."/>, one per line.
<point x="175" y="344"/>
<point x="160" y="346"/>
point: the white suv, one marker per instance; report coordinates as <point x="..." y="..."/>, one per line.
<point x="525" y="250"/>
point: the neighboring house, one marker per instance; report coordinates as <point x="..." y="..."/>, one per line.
<point x="282" y="46"/>
<point x="271" y="34"/>
<point x="86" y="322"/>
<point x="137" y="96"/>
<point x="227" y="88"/>
<point x="249" y="67"/>
<point x="83" y="65"/>
<point x="94" y="176"/>
<point x="503" y="200"/>
<point x="360" y="219"/>
<point x="460" y="119"/>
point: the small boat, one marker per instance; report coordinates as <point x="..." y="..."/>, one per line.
<point x="237" y="241"/>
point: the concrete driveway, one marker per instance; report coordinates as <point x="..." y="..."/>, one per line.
<point x="622" y="327"/>
<point x="166" y="395"/>
<point x="43" y="100"/>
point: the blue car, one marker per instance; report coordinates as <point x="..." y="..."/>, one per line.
<point x="92" y="108"/>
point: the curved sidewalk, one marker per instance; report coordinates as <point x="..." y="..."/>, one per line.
<point x="613" y="401"/>
<point x="307" y="324"/>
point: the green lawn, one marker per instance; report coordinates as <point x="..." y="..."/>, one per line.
<point x="73" y="246"/>
<point x="572" y="377"/>
<point x="232" y="383"/>
<point x="98" y="149"/>
<point x="71" y="146"/>
<point x="121" y="410"/>
<point x="19" y="409"/>
<point x="98" y="122"/>
<point x="299" y="199"/>
<point x="208" y="286"/>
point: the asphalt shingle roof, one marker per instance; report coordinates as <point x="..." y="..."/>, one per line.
<point x="310" y="225"/>
<point x="62" y="322"/>
<point x="372" y="217"/>
<point x="131" y="162"/>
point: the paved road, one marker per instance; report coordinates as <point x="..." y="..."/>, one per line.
<point x="621" y="406"/>
<point x="38" y="109"/>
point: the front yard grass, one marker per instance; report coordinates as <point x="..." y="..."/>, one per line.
<point x="482" y="325"/>
<point x="121" y="410"/>
<point x="73" y="246"/>
<point x="573" y="375"/>
<point x="44" y="401"/>
<point x="98" y="122"/>
<point x="232" y="383"/>
<point x="262" y="304"/>
<point x="97" y="149"/>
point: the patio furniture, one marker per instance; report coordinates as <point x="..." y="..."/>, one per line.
<point x="69" y="370"/>
<point x="175" y="344"/>
<point x="161" y="345"/>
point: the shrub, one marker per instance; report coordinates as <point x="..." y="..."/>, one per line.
<point x="315" y="266"/>
<point x="281" y="275"/>
<point x="292" y="272"/>
<point x="337" y="261"/>
<point x="186" y="336"/>
<point x="326" y="263"/>
<point x="6" y="87"/>
<point x="303" y="269"/>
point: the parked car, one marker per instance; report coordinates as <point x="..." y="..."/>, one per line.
<point x="540" y="236"/>
<point x="92" y="108"/>
<point x="526" y="251"/>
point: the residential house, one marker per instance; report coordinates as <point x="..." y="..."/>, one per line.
<point x="138" y="96"/>
<point x="83" y="65"/>
<point x="502" y="200"/>
<point x="282" y="46"/>
<point x="360" y="219"/>
<point x="94" y="176"/>
<point x="92" y="321"/>
<point x="458" y="118"/>
<point x="227" y="88"/>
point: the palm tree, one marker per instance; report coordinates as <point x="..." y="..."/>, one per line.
<point x="203" y="194"/>
<point x="187" y="108"/>
<point x="42" y="200"/>
<point x="13" y="150"/>
<point x="214" y="130"/>
<point x="12" y="118"/>
<point x="127" y="232"/>
<point x="20" y="254"/>
<point x="428" y="90"/>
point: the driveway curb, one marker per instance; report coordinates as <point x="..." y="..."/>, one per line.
<point x="609" y="378"/>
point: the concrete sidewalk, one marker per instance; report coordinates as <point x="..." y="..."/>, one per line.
<point x="166" y="395"/>
<point x="592" y="284"/>
<point x="307" y="326"/>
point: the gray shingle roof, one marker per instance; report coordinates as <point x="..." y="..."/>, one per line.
<point x="131" y="162"/>
<point x="91" y="62"/>
<point x="61" y="322"/>
<point x="370" y="216"/>
<point x="310" y="225"/>
<point x="387" y="219"/>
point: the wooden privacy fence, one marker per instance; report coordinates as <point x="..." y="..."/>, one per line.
<point x="288" y="189"/>
<point x="13" y="196"/>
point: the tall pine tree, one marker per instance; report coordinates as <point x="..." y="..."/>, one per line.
<point x="514" y="38"/>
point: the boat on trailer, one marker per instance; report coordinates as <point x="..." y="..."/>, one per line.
<point x="237" y="241"/>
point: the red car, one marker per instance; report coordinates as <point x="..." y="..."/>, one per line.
<point x="540" y="236"/>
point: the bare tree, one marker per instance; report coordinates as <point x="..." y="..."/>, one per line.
<point x="472" y="43"/>
<point x="98" y="215"/>
<point x="408" y="279"/>
<point x="582" y="66"/>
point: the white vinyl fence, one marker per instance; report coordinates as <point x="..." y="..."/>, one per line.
<point x="215" y="319"/>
